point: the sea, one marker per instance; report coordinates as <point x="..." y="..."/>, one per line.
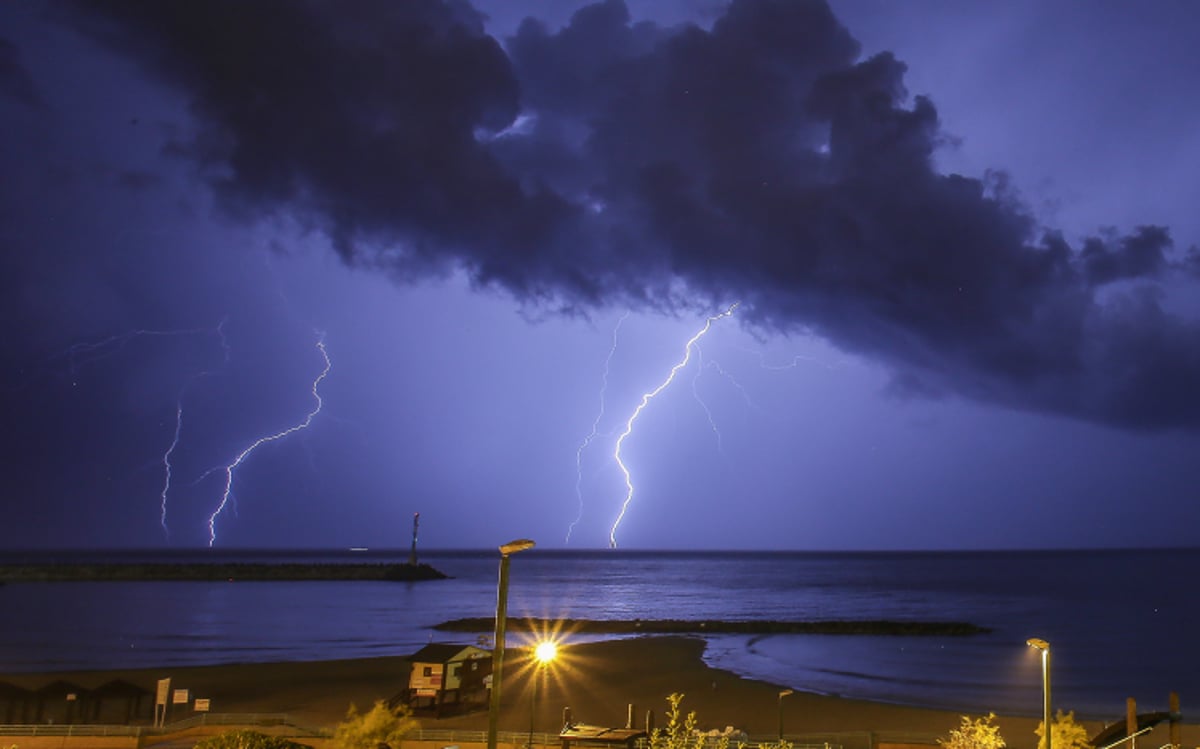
<point x="1120" y="623"/>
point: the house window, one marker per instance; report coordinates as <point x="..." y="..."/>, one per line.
<point x="474" y="665"/>
<point x="428" y="671"/>
<point x="456" y="671"/>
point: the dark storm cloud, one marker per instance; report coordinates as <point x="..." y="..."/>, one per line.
<point x="15" y="80"/>
<point x="609" y="162"/>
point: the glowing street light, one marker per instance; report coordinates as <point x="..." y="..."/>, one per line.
<point x="507" y="550"/>
<point x="1039" y="644"/>
<point x="783" y="694"/>
<point x="543" y="654"/>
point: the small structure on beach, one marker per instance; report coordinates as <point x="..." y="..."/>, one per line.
<point x="448" y="674"/>
<point x="583" y="735"/>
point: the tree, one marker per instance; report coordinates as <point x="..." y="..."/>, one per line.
<point x="381" y="726"/>
<point x="1064" y="732"/>
<point x="248" y="740"/>
<point x="975" y="733"/>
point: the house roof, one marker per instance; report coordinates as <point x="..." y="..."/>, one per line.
<point x="13" y="692"/>
<point x="61" y="688"/>
<point x="120" y="688"/>
<point x="442" y="652"/>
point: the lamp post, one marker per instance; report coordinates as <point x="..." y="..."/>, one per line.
<point x="508" y="549"/>
<point x="542" y="654"/>
<point x="783" y="694"/>
<point x="1039" y="644"/>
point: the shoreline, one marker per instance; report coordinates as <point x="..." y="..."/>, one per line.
<point x="598" y="680"/>
<point x="849" y="627"/>
<point x="217" y="571"/>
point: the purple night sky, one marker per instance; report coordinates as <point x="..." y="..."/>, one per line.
<point x="963" y="237"/>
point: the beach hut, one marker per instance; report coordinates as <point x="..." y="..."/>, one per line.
<point x="64" y="699"/>
<point x="444" y="673"/>
<point x="119" y="691"/>
<point x="12" y="695"/>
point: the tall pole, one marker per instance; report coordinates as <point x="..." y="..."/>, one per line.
<point x="783" y="694"/>
<point x="1042" y="645"/>
<point x="533" y="703"/>
<point x="543" y="654"/>
<point x="1046" y="694"/>
<point x="506" y="550"/>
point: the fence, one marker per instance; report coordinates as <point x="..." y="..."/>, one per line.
<point x="445" y="737"/>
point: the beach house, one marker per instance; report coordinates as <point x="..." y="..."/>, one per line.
<point x="447" y="674"/>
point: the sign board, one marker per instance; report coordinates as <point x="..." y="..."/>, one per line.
<point x="164" y="689"/>
<point x="181" y="697"/>
<point x="202" y="705"/>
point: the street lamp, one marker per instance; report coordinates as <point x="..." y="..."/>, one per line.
<point x="508" y="549"/>
<point x="783" y="694"/>
<point x="542" y="654"/>
<point x="1040" y="644"/>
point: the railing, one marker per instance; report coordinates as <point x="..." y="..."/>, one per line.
<point x="452" y="736"/>
<point x="69" y="730"/>
<point x="203" y="719"/>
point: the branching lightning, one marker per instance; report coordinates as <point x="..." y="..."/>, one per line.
<point x="166" y="458"/>
<point x="646" y="398"/>
<point x="241" y="457"/>
<point x="703" y="365"/>
<point x="100" y="349"/>
<point x="595" y="428"/>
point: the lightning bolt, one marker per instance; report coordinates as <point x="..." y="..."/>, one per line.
<point x="241" y="457"/>
<point x="166" y="458"/>
<point x="595" y="428"/>
<point x="95" y="350"/>
<point x="646" y="398"/>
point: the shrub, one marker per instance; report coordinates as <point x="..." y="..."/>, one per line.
<point x="248" y="740"/>
<point x="380" y="726"/>
<point x="975" y="733"/>
<point x="1065" y="733"/>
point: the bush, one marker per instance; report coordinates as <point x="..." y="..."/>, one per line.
<point x="379" y="727"/>
<point x="975" y="733"/>
<point x="1065" y="733"/>
<point x="681" y="732"/>
<point x="248" y="740"/>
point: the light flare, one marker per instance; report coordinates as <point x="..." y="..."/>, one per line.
<point x="645" y="401"/>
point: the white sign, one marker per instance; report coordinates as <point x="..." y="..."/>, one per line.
<point x="181" y="697"/>
<point x="164" y="689"/>
<point x="202" y="705"/>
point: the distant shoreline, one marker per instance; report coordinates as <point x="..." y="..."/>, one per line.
<point x="227" y="571"/>
<point x="713" y="626"/>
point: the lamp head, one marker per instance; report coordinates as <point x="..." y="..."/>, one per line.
<point x="1038" y="643"/>
<point x="512" y="547"/>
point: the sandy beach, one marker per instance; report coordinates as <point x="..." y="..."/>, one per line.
<point x="598" y="680"/>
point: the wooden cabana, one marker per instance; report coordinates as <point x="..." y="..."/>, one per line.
<point x="12" y="696"/>
<point x="65" y="700"/>
<point x="116" y="691"/>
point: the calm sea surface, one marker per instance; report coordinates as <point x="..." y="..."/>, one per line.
<point x="1120" y="623"/>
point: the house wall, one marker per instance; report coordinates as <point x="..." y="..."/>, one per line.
<point x="426" y="684"/>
